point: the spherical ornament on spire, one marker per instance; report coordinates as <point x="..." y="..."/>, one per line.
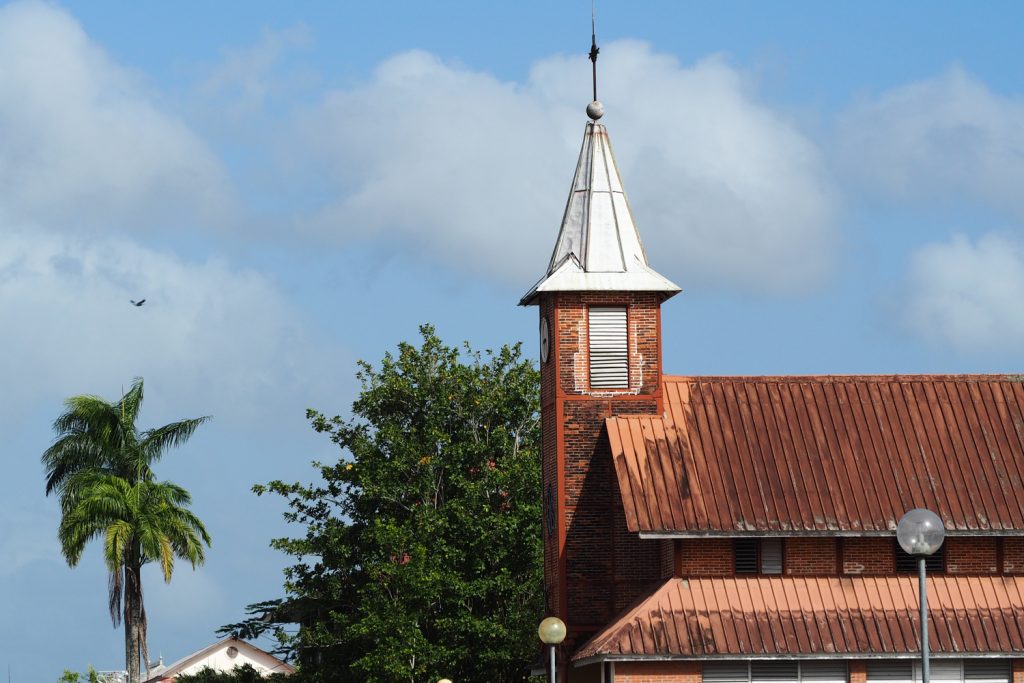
<point x="595" y="110"/>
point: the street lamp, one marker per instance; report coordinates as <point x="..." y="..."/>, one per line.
<point x="551" y="632"/>
<point x="920" y="533"/>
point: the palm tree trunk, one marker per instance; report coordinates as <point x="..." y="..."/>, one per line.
<point x="132" y="620"/>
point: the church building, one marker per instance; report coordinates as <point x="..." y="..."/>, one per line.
<point x="742" y="529"/>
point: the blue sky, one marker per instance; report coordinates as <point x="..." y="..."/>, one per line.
<point x="294" y="186"/>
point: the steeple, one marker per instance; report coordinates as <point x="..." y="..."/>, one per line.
<point x="598" y="247"/>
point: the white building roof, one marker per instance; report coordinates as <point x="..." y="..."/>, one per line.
<point x="598" y="247"/>
<point x="224" y="655"/>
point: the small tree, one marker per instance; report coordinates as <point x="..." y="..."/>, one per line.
<point x="421" y="557"/>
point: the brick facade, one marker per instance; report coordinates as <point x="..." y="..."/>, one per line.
<point x="972" y="555"/>
<point x="658" y="672"/>
<point x="593" y="565"/>
<point x="705" y="557"/>
<point x="1013" y="556"/>
<point x="871" y="556"/>
<point x="810" y="557"/>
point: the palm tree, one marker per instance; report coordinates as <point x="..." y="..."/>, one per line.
<point x="100" y="467"/>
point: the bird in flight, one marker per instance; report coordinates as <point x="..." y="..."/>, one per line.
<point x="137" y="303"/>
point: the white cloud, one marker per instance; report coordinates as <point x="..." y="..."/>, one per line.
<point x="968" y="295"/>
<point x="210" y="338"/>
<point x="82" y="140"/>
<point x="945" y="136"/>
<point x="475" y="171"/>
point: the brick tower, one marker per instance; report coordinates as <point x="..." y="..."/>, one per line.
<point x="600" y="329"/>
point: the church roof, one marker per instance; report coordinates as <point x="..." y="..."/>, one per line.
<point x="827" y="455"/>
<point x="598" y="247"/>
<point x="815" y="617"/>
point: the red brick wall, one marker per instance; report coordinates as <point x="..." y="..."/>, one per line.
<point x="809" y="556"/>
<point x="1013" y="556"/>
<point x="574" y="348"/>
<point x="706" y="557"/>
<point x="972" y="555"/>
<point x="668" y="558"/>
<point x="602" y="566"/>
<point x="868" y="556"/>
<point x="858" y="672"/>
<point x="658" y="672"/>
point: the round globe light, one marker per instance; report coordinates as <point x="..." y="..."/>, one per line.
<point x="551" y="631"/>
<point x="920" y="532"/>
<point x="445" y="680"/>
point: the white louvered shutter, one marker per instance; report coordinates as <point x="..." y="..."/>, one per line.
<point x="891" y="671"/>
<point x="823" y="672"/>
<point x="609" y="352"/>
<point x="726" y="672"/>
<point x="774" y="672"/>
<point x="771" y="556"/>
<point x="987" y="670"/>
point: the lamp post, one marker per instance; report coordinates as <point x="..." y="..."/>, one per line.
<point x="920" y="533"/>
<point x="551" y="632"/>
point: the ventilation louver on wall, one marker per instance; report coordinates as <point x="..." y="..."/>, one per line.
<point x="745" y="555"/>
<point x="771" y="555"/>
<point x="933" y="564"/>
<point x="609" y="352"/>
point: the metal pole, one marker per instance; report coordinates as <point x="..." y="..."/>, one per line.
<point x="551" y="678"/>
<point x="924" y="619"/>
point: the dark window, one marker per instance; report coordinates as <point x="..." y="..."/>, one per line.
<point x="757" y="555"/>
<point x="745" y="552"/>
<point x="935" y="563"/>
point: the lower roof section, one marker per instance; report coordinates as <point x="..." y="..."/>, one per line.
<point x="842" y="617"/>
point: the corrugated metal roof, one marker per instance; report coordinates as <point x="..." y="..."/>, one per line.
<point x="598" y="247"/>
<point x="816" y="617"/>
<point x="833" y="454"/>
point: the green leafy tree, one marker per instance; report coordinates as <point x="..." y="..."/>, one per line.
<point x="240" y="674"/>
<point x="100" y="468"/>
<point x="90" y="676"/>
<point x="422" y="556"/>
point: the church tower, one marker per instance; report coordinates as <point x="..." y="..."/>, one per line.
<point x="600" y="352"/>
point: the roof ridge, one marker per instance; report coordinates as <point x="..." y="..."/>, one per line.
<point x="881" y="377"/>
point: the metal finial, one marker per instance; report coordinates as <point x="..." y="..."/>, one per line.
<point x="595" y="109"/>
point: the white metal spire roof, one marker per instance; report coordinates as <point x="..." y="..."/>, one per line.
<point x="598" y="247"/>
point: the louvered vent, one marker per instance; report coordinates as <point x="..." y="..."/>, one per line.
<point x="771" y="556"/>
<point x="933" y="564"/>
<point x="942" y="670"/>
<point x="726" y="672"/>
<point x="823" y="672"/>
<point x="892" y="671"/>
<point x="609" y="353"/>
<point x="774" y="672"/>
<point x="745" y="551"/>
<point x="987" y="670"/>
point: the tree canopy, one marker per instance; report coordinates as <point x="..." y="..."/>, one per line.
<point x="421" y="557"/>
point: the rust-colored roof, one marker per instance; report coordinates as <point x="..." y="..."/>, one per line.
<point x="791" y="455"/>
<point x="816" y="617"/>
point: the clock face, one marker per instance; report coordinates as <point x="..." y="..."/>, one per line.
<point x="545" y="340"/>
